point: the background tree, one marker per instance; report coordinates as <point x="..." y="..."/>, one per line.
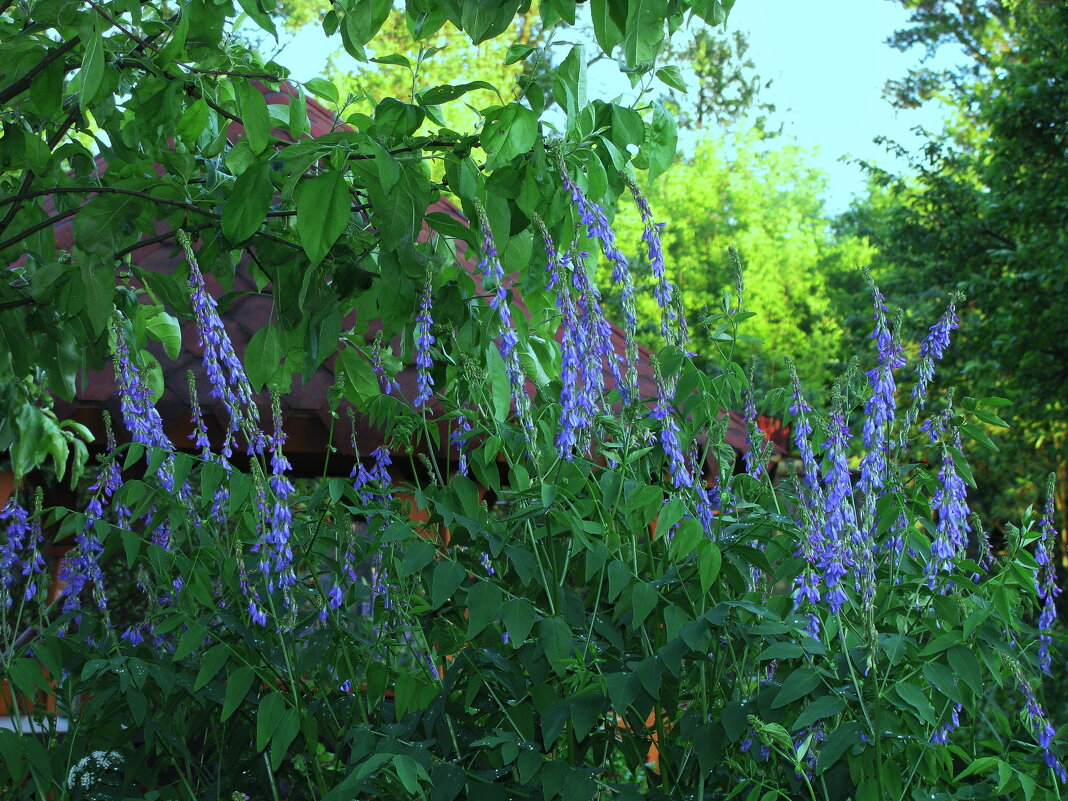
<point x="737" y="191"/>
<point x="985" y="212"/>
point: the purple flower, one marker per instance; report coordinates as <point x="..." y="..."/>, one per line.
<point x="574" y="403"/>
<point x="880" y="409"/>
<point x="17" y="535"/>
<point x="941" y="736"/>
<point x="597" y="227"/>
<point x="135" y="403"/>
<point x="458" y="438"/>
<point x="1046" y="578"/>
<point x="840" y="526"/>
<point x="493" y="275"/>
<point x="276" y="555"/>
<point x="934" y="346"/>
<point x="423" y="341"/>
<point x="669" y="437"/>
<point x="1041" y="728"/>
<point x="753" y="436"/>
<point x="950" y="502"/>
<point x="387" y="383"/>
<point x="226" y="375"/>
<point x="663" y="292"/>
<point x="378" y="474"/>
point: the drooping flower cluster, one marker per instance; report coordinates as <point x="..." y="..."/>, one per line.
<point x="594" y="219"/>
<point x="840" y="522"/>
<point x="364" y="479"/>
<point x="139" y="414"/>
<point x="424" y="340"/>
<point x="1048" y="590"/>
<point x="950" y="503"/>
<point x="387" y="383"/>
<point x="227" y="379"/>
<point x="934" y="346"/>
<point x="941" y="735"/>
<point x="669" y="436"/>
<point x="493" y="275"/>
<point x="458" y="439"/>
<point x="16" y="540"/>
<point x="276" y="553"/>
<point x="1035" y="718"/>
<point x="672" y="323"/>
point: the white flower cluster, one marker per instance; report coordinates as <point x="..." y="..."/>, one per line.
<point x="89" y="769"/>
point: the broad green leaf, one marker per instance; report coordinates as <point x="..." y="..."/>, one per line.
<point x="323" y="89"/>
<point x="322" y="212"/>
<point x="709" y="560"/>
<point x="237" y="687"/>
<point x="672" y="76"/>
<point x="609" y="21"/>
<point x="91" y="75"/>
<point x="211" y="664"/>
<point x="837" y="743"/>
<point x="966" y="667"/>
<point x="447" y="577"/>
<point x="254" y="117"/>
<point x="799" y="683"/>
<point x="444" y="94"/>
<point x="509" y="132"/>
<point x="518" y="616"/>
<point x="823" y="707"/>
<point x="268" y="715"/>
<point x="556" y="639"/>
<point x="285" y="732"/>
<point x="483" y="605"/>
<point x="364" y="18"/>
<point x="643" y="600"/>
<point x="262" y="357"/>
<point x="645" y="30"/>
<point x="662" y="142"/>
<point x="248" y="204"/>
<point x="915" y="697"/>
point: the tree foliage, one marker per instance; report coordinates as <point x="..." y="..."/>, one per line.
<point x="986" y="212"/>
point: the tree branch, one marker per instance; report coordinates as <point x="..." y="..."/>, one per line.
<point x="33" y="229"/>
<point x="17" y="87"/>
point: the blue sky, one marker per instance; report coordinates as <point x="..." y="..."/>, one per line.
<point x="827" y="60"/>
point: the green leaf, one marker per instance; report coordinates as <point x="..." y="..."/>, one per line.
<point x="837" y="743"/>
<point x="323" y="89"/>
<point x="662" y="142"/>
<point x="447" y="577"/>
<point x="799" y="683"/>
<point x="709" y="561"/>
<point x="518" y="617"/>
<point x="444" y="94"/>
<point x="643" y="600"/>
<point x="252" y="106"/>
<point x="248" y="204"/>
<point x="484" y="605"/>
<point x="91" y="75"/>
<point x="259" y="15"/>
<point x="556" y="640"/>
<point x="672" y="76"/>
<point x="285" y="732"/>
<point x="609" y="20"/>
<point x="364" y="18"/>
<point x="977" y="434"/>
<point x="823" y="707"/>
<point x="165" y="329"/>
<point x="268" y="716"/>
<point x="966" y="666"/>
<point x="645" y="30"/>
<point x="914" y="697"/>
<point x="570" y="85"/>
<point x="263" y="356"/>
<point x="211" y="664"/>
<point x="322" y="212"/>
<point x="237" y="687"/>
<point x="939" y="677"/>
<point x="511" y="131"/>
<point x="517" y="52"/>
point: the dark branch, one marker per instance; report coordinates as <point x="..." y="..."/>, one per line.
<point x="17" y="87"/>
